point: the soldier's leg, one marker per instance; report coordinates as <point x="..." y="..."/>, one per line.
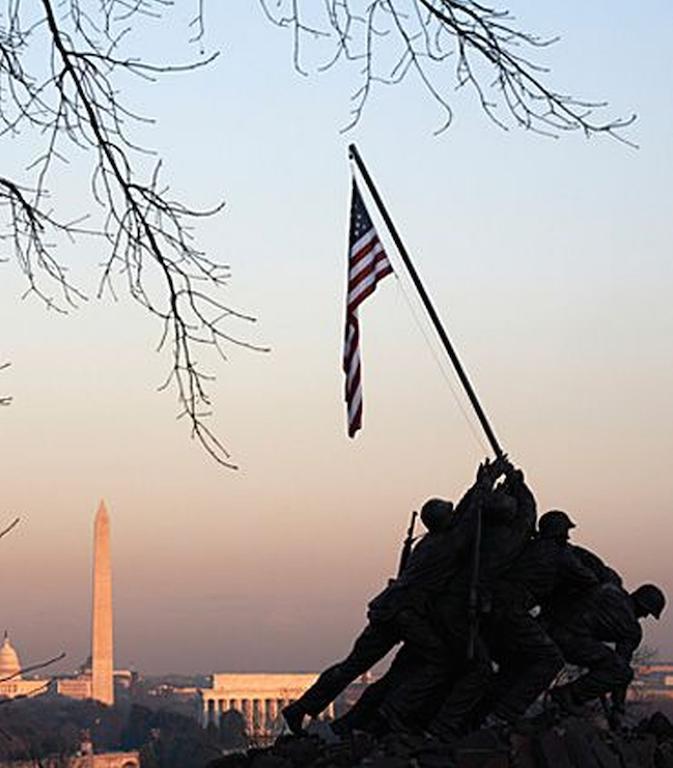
<point x="470" y="679"/>
<point x="606" y="670"/>
<point x="529" y="662"/>
<point x="425" y="679"/>
<point x="371" y="646"/>
<point x="362" y="714"/>
<point x="467" y="689"/>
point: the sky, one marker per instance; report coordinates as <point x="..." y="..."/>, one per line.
<point x="548" y="260"/>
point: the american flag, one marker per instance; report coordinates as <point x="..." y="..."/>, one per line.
<point x="367" y="264"/>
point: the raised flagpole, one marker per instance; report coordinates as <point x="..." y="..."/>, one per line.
<point x="473" y="597"/>
<point x="451" y="352"/>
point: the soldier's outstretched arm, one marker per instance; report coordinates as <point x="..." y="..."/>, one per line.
<point x="517" y="487"/>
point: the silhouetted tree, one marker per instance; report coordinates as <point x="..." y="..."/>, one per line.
<point x="483" y="45"/>
<point x="69" y="99"/>
<point x="170" y="740"/>
<point x="39" y="727"/>
<point x="62" y="79"/>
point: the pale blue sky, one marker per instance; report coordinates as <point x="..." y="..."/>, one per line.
<point x="550" y="262"/>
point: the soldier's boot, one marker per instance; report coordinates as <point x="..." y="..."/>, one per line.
<point x="294" y="715"/>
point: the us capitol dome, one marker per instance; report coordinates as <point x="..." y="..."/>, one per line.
<point x="12" y="683"/>
<point x="9" y="660"/>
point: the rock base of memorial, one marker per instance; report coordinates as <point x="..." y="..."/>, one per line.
<point x="567" y="743"/>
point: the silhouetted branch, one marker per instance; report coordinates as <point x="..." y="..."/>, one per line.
<point x="145" y="234"/>
<point x="10" y="527"/>
<point x="391" y="39"/>
<point x="5" y="399"/>
<point x="33" y="668"/>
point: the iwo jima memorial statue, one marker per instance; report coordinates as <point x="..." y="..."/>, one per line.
<point x="490" y="609"/>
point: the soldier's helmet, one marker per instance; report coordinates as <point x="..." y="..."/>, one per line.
<point x="435" y="513"/>
<point x="554" y="523"/>
<point x="650" y="598"/>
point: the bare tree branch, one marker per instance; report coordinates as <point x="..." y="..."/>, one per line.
<point x="5" y="399"/>
<point x="74" y="103"/>
<point x="390" y="40"/>
<point x="63" y="67"/>
<point x="10" y="527"/>
<point x="33" y="668"/>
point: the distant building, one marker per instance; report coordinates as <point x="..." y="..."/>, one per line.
<point x="97" y="678"/>
<point x="85" y="757"/>
<point x="12" y="683"/>
<point x="80" y="686"/>
<point x="652" y="681"/>
<point x="259" y="697"/>
<point x="124" y="679"/>
<point x="73" y="687"/>
<point x="102" y="654"/>
<point x="177" y="692"/>
<point x="101" y="760"/>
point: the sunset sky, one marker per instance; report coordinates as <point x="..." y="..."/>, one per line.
<point x="550" y="261"/>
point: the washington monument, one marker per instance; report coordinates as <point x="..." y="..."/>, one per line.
<point x="102" y="686"/>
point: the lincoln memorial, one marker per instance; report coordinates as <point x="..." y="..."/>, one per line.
<point x="259" y="697"/>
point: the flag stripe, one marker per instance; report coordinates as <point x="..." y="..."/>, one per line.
<point x="376" y="262"/>
<point x="367" y="264"/>
<point x="367" y="279"/>
<point x="363" y="246"/>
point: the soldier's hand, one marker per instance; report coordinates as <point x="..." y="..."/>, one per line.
<point x="513" y="473"/>
<point x="483" y="470"/>
<point x="501" y="465"/>
<point x="489" y="471"/>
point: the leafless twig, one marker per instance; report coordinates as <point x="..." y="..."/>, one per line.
<point x="73" y="103"/>
<point x="5" y="399"/>
<point x="10" y="527"/>
<point x="390" y="40"/>
<point x="33" y="668"/>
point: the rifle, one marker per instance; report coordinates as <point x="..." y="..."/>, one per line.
<point x="408" y="543"/>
